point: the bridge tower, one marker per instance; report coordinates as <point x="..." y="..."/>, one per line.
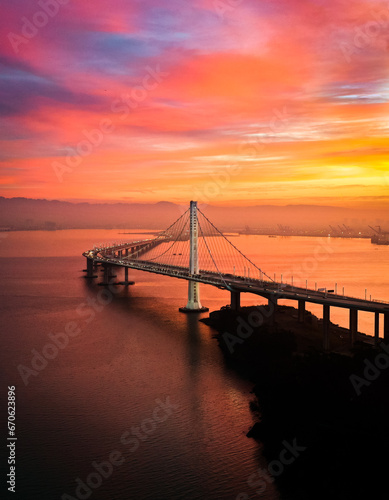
<point x="194" y="304"/>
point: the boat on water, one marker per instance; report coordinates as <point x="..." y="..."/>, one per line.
<point x="380" y="237"/>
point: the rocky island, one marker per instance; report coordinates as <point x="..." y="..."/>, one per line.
<point x="327" y="412"/>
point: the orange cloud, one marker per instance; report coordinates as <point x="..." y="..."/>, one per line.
<point x="266" y="87"/>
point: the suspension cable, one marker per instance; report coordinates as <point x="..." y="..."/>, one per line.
<point x="166" y="230"/>
<point x="206" y="244"/>
<point x="174" y="241"/>
<point x="237" y="249"/>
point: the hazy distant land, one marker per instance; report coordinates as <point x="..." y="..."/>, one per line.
<point x="25" y="213"/>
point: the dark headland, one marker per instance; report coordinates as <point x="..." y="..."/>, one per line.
<point x="322" y="417"/>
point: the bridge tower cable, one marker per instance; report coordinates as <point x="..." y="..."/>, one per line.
<point x="174" y="237"/>
<point x="210" y="253"/>
<point x="166" y="231"/>
<point x="237" y="249"/>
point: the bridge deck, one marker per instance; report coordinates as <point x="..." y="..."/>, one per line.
<point x="267" y="289"/>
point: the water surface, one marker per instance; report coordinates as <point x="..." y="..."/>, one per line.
<point x="135" y="349"/>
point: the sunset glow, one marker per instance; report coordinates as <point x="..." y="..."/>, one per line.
<point x="229" y="102"/>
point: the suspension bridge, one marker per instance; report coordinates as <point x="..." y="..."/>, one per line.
<point x="193" y="249"/>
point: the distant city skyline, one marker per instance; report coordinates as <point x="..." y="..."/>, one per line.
<point x="230" y="103"/>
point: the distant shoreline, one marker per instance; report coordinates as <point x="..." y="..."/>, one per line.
<point x="229" y="233"/>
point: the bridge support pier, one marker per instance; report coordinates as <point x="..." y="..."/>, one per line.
<point x="126" y="282"/>
<point x="194" y="304"/>
<point x="353" y="325"/>
<point x="90" y="268"/>
<point x="107" y="275"/>
<point x="386" y="327"/>
<point x="235" y="301"/>
<point x="301" y="313"/>
<point x="326" y="327"/>
<point x="272" y="305"/>
<point x="376" y="328"/>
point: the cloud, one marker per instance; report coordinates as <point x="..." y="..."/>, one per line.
<point x="304" y="83"/>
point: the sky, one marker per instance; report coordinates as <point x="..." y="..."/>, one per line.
<point x="230" y="102"/>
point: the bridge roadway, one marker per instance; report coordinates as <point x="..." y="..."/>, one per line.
<point x="271" y="290"/>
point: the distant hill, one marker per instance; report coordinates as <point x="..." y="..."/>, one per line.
<point x="24" y="213"/>
<point x="28" y="213"/>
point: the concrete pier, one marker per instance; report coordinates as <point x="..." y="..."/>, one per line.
<point x="272" y="304"/>
<point x="235" y="301"/>
<point x="107" y="275"/>
<point x="126" y="282"/>
<point x="301" y="311"/>
<point x="90" y="270"/>
<point x="326" y="327"/>
<point x="386" y="327"/>
<point x="194" y="304"/>
<point x="353" y="325"/>
<point x="376" y="328"/>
